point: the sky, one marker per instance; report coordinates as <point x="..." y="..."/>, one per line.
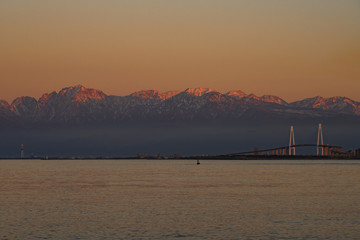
<point x="293" y="49"/>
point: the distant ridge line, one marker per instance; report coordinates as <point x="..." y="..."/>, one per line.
<point x="78" y="104"/>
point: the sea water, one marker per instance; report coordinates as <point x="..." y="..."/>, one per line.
<point x="168" y="199"/>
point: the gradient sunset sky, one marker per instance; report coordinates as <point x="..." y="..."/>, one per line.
<point x="293" y="49"/>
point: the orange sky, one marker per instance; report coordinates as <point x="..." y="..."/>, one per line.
<point x="293" y="49"/>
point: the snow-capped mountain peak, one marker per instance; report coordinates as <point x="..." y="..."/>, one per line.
<point x="198" y="91"/>
<point x="79" y="93"/>
<point x="273" y="99"/>
<point x="236" y="94"/>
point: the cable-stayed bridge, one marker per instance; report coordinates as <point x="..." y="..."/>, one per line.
<point x="326" y="150"/>
<point x="290" y="150"/>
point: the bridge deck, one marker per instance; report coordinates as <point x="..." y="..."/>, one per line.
<point x="282" y="148"/>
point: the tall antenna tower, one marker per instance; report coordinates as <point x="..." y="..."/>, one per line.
<point x="22" y="151"/>
<point x="292" y="142"/>
<point x="320" y="141"/>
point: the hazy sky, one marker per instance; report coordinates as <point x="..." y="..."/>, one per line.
<point x="294" y="49"/>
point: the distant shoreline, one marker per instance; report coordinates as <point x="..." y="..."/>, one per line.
<point x="249" y="157"/>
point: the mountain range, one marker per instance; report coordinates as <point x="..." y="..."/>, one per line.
<point x="82" y="121"/>
<point x="78" y="104"/>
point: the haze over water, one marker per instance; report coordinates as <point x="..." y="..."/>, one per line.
<point x="177" y="199"/>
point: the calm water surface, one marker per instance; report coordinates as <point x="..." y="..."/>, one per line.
<point x="133" y="199"/>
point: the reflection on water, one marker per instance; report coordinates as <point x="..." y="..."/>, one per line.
<point x="179" y="199"/>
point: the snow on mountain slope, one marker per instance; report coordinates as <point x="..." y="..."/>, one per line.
<point x="335" y="104"/>
<point x="78" y="104"/>
<point x="198" y="91"/>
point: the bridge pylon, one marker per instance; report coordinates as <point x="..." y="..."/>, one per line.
<point x="22" y="151"/>
<point x="292" y="142"/>
<point x="320" y="141"/>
